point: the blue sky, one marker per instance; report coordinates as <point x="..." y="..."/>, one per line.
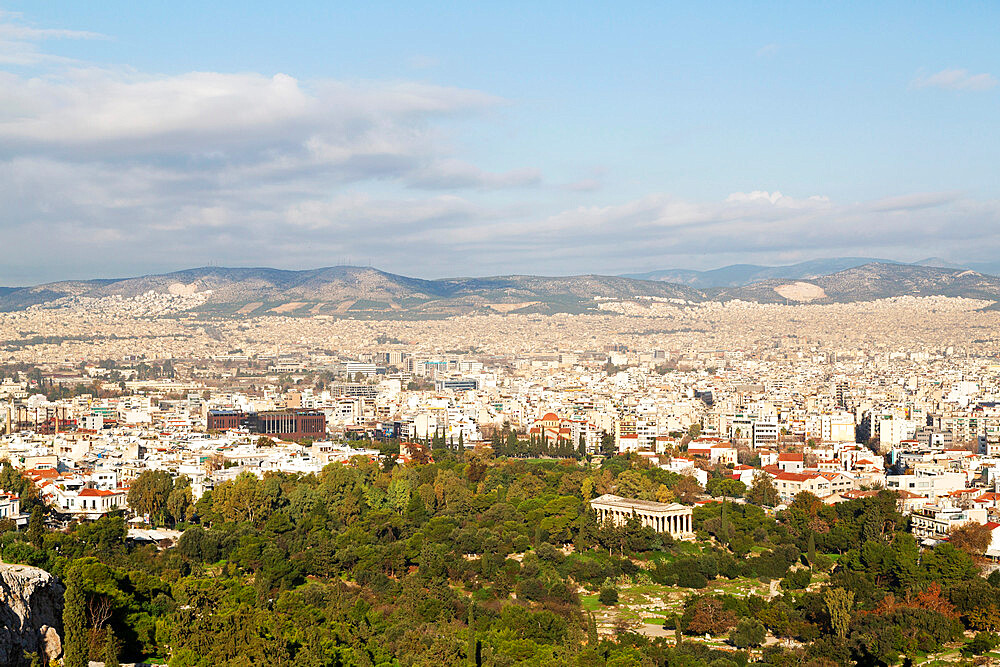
<point x="472" y="139"/>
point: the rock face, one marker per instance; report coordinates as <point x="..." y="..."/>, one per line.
<point x="31" y="603"/>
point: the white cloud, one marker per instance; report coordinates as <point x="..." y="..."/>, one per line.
<point x="19" y="42"/>
<point x="12" y="31"/>
<point x="345" y="213"/>
<point x="750" y="223"/>
<point x="777" y="199"/>
<point x="451" y="174"/>
<point x="130" y="113"/>
<point x="956" y="79"/>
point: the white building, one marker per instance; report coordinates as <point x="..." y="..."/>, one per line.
<point x="672" y="518"/>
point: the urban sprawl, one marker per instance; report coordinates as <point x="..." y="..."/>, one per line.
<point x="842" y="401"/>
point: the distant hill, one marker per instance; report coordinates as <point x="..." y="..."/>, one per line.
<point x="738" y="275"/>
<point x="350" y="291"/>
<point x="941" y="263"/>
<point x="358" y="291"/>
<point x="876" y="280"/>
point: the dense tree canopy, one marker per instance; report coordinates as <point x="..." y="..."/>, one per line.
<point x="474" y="560"/>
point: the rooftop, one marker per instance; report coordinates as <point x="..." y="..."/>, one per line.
<point x="633" y="503"/>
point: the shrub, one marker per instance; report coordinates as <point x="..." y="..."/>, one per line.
<point x="983" y="642"/>
<point x="608" y="596"/>
<point x="748" y="632"/>
<point x="796" y="580"/>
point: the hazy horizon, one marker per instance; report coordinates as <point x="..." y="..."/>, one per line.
<point x="179" y="269"/>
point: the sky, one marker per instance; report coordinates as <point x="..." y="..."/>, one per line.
<point x="469" y="139"/>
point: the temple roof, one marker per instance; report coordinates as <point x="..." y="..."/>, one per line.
<point x="634" y="504"/>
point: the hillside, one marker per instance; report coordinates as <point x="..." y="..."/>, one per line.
<point x="357" y="291"/>
<point x="872" y="281"/>
<point x="348" y="291"/>
<point x="738" y="275"/>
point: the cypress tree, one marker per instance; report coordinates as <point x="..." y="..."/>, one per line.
<point x="36" y="527"/>
<point x="591" y="629"/>
<point x="811" y="549"/>
<point x="75" y="645"/>
<point x="111" y="649"/>
<point x="473" y="649"/>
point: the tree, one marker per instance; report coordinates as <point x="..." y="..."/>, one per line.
<point x="747" y="633"/>
<point x="36" y="527"/>
<point x="972" y="538"/>
<point x="706" y="615"/>
<point x="111" y="649"/>
<point x="633" y="484"/>
<point x="839" y="604"/>
<point x="763" y="492"/>
<point x="180" y="502"/>
<point x="983" y="642"/>
<point x="664" y="494"/>
<point x="243" y="499"/>
<point x="608" y="596"/>
<point x="149" y="492"/>
<point x="730" y="488"/>
<point x="75" y="642"/>
<point x="687" y="489"/>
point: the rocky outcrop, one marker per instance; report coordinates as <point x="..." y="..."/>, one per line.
<point x="31" y="603"/>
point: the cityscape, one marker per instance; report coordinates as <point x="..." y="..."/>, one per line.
<point x="596" y="398"/>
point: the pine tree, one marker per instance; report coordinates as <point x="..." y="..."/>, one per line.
<point x="75" y="645"/>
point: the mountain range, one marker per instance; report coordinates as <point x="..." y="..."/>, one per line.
<point x="347" y="291"/>
<point x="738" y="275"/>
